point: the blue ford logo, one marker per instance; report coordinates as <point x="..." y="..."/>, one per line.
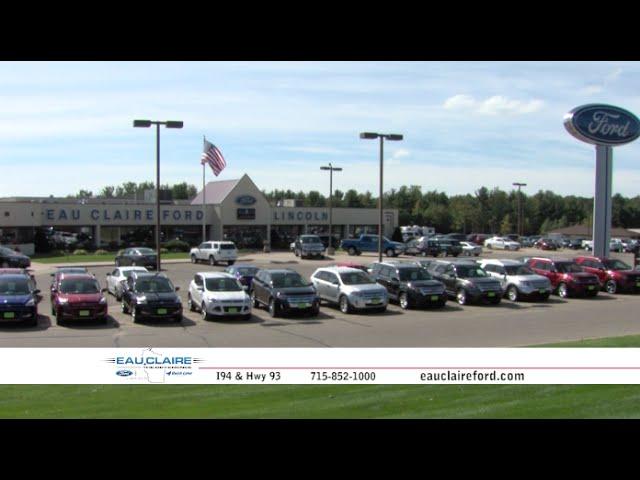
<point x="124" y="373"/>
<point x="602" y="124"/>
<point x="245" y="200"/>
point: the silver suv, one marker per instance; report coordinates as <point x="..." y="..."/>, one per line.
<point x="351" y="288"/>
<point x="517" y="279"/>
<point x="309" y="246"/>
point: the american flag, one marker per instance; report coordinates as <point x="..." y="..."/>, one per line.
<point x="213" y="157"/>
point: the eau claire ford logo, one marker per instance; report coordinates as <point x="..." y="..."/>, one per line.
<point x="153" y="366"/>
<point x="602" y="124"/>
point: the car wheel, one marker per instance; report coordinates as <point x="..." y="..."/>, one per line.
<point x="177" y="318"/>
<point x="32" y="322"/>
<point x="134" y="263"/>
<point x="563" y="290"/>
<point x="230" y="262"/>
<point x="117" y="263"/>
<point x="390" y="252"/>
<point x="212" y="260"/>
<point x="404" y="301"/>
<point x="423" y="253"/>
<point x="118" y="296"/>
<point x="512" y="293"/>
<point x="203" y="312"/>
<point x="254" y="300"/>
<point x="545" y="296"/>
<point x="124" y="307"/>
<point x="345" y="307"/>
<point x="296" y="253"/>
<point x="53" y="311"/>
<point x="5" y="264"/>
<point x="192" y="307"/>
<point x="193" y="259"/>
<point x="134" y="315"/>
<point x="461" y="296"/>
<point x="351" y="251"/>
<point x="611" y="286"/>
<point x="272" y="308"/>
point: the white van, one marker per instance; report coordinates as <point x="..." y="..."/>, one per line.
<point x="214" y="252"/>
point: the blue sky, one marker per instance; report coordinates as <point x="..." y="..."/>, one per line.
<point x="68" y="125"/>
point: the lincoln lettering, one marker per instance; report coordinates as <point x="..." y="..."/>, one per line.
<point x="301" y="216"/>
<point x="602" y="124"/>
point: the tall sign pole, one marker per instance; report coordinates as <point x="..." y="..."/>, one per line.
<point x="604" y="126"/>
<point x="204" y="196"/>
<point x="331" y="168"/>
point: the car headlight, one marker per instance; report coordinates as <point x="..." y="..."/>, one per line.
<point x="103" y="301"/>
<point x="63" y="300"/>
<point x="281" y="295"/>
<point x="141" y="299"/>
<point x="31" y="303"/>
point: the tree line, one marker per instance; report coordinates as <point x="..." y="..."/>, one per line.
<point x="179" y="191"/>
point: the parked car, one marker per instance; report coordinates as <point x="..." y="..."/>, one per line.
<point x="614" y="275"/>
<point x="359" y="266"/>
<point x="218" y="294"/>
<point x="575" y="243"/>
<point x="214" y="252"/>
<point x="117" y="280"/>
<point x="349" y="288"/>
<point x="424" y="247"/>
<point x="425" y="263"/>
<point x="447" y="247"/>
<point x="243" y="272"/>
<point x="18" y="299"/>
<point x="284" y="291"/>
<point x="369" y="243"/>
<point x="526" y="242"/>
<point x="137" y="257"/>
<point x="566" y="277"/>
<point x="60" y="273"/>
<point x="546" y="244"/>
<point x="471" y="249"/>
<point x="466" y="281"/>
<point x="151" y="295"/>
<point x="517" y="279"/>
<point x="501" y="243"/>
<point x="309" y="246"/>
<point x="78" y="296"/>
<point x="20" y="271"/>
<point x="11" y="259"/>
<point x="514" y="237"/>
<point x="587" y="245"/>
<point x="478" y="238"/>
<point x="409" y="285"/>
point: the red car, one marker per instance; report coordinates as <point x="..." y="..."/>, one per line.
<point x="614" y="274"/>
<point x="78" y="297"/>
<point x="545" y="244"/>
<point x="567" y="278"/>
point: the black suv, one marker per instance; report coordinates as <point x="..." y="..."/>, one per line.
<point x="137" y="256"/>
<point x="425" y="247"/>
<point x="284" y="291"/>
<point x="151" y="295"/>
<point x="447" y="246"/>
<point x="409" y="284"/>
<point x="466" y="281"/>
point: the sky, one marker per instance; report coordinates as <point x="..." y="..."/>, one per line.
<point x="66" y="126"/>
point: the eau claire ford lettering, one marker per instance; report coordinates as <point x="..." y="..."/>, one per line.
<point x="137" y="215"/>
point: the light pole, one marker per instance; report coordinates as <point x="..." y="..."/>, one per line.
<point x="331" y="168"/>
<point x="381" y="136"/>
<point x="516" y="184"/>
<point x="167" y="124"/>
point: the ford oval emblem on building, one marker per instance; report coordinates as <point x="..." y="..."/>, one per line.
<point x="245" y="200"/>
<point x="124" y="373"/>
<point x="602" y="124"/>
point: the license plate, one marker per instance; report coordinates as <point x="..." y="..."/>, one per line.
<point x="434" y="298"/>
<point x="233" y="310"/>
<point x="9" y="315"/>
<point x="542" y="290"/>
<point x="162" y="311"/>
<point x="491" y="294"/>
<point x="638" y="284"/>
<point x="591" y="287"/>
<point x="84" y="313"/>
<point x="376" y="300"/>
<point x="301" y="305"/>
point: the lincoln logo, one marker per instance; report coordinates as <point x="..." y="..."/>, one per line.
<point x="602" y="124"/>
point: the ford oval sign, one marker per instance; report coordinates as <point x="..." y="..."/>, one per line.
<point x="602" y="124"/>
<point x="124" y="373"/>
<point x="245" y="200"/>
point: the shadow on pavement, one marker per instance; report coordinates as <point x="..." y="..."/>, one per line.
<point x="91" y="324"/>
<point x="44" y="323"/>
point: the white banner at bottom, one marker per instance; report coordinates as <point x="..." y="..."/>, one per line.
<point x="440" y="366"/>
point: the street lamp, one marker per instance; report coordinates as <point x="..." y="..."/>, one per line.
<point x="381" y="136"/>
<point x="331" y="168"/>
<point x="516" y="184"/>
<point x="167" y="124"/>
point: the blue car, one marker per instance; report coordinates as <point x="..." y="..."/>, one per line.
<point x="243" y="272"/>
<point x="18" y="300"/>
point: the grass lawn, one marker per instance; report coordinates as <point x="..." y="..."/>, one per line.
<point x="328" y="401"/>
<point x="108" y="257"/>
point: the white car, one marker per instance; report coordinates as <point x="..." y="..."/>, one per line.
<point x="214" y="252"/>
<point x="350" y="288"/>
<point x="292" y="246"/>
<point x="517" y="279"/>
<point x="471" y="249"/>
<point x="117" y="279"/>
<point x="501" y="243"/>
<point x="218" y="294"/>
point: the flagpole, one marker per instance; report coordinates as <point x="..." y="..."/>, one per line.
<point x="204" y="194"/>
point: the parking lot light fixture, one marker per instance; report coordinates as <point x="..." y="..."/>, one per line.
<point x="331" y="168"/>
<point x="381" y="136"/>
<point x="167" y="124"/>
<point x="516" y="184"/>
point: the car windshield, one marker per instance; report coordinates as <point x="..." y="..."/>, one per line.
<point x="154" y="285"/>
<point x="616" y="265"/>
<point x="12" y="286"/>
<point x="289" y="279"/>
<point x="470" y="271"/>
<point x="310" y="240"/>
<point x="8" y="251"/>
<point x="247" y="271"/>
<point x="518" y="270"/>
<point x="128" y="273"/>
<point x="356" y="278"/>
<point x="72" y="270"/>
<point x="79" y="286"/>
<point x="146" y="251"/>
<point x="567" y="267"/>
<point x="227" y="246"/>
<point x="222" y="285"/>
<point x="413" y="274"/>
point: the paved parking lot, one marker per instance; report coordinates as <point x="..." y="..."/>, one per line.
<point x="507" y="324"/>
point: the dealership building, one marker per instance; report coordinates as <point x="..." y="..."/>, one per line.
<point x="235" y="210"/>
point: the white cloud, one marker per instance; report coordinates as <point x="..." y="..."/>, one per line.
<point x="613" y="76"/>
<point x="591" y="89"/>
<point x="497" y="104"/>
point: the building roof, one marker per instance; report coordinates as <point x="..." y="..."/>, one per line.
<point x="587" y="231"/>
<point x="215" y="192"/>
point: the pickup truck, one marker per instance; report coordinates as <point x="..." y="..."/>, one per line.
<point x="369" y="243"/>
<point x="214" y="252"/>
